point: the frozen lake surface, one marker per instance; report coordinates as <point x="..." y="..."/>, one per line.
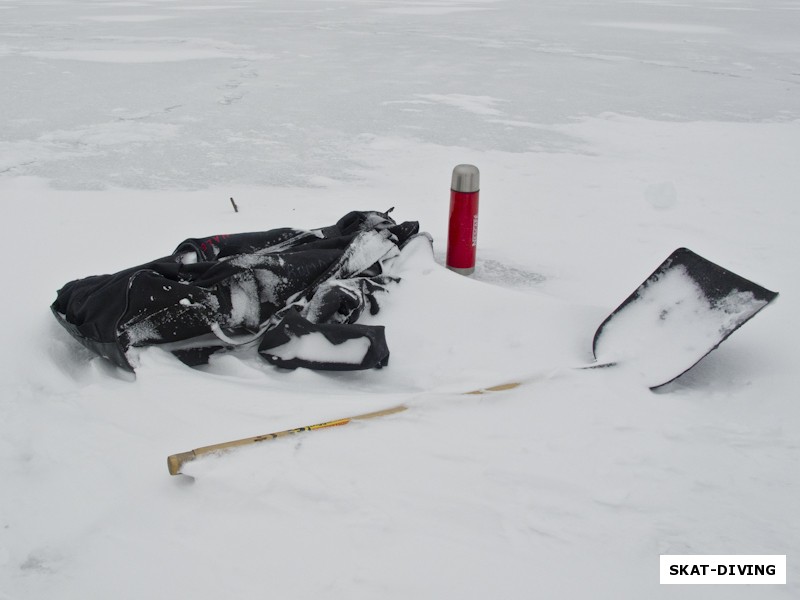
<point x="175" y="94"/>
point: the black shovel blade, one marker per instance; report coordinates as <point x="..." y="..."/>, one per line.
<point x="682" y="312"/>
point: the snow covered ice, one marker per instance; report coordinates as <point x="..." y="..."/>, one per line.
<point x="607" y="133"/>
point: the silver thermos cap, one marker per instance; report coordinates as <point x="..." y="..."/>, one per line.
<point x="466" y="179"/>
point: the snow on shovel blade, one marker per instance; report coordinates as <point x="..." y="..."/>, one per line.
<point x="684" y="310"/>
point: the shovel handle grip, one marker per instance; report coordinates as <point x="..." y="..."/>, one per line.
<point x="175" y="461"/>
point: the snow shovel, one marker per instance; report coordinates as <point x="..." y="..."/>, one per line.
<point x="682" y="312"/>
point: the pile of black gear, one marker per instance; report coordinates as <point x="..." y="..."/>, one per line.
<point x="263" y="290"/>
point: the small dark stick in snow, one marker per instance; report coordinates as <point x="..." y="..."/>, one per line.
<point x="235" y="208"/>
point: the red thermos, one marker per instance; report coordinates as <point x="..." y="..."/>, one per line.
<point x="462" y="238"/>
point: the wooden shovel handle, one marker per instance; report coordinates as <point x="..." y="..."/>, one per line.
<point x="176" y="461"/>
